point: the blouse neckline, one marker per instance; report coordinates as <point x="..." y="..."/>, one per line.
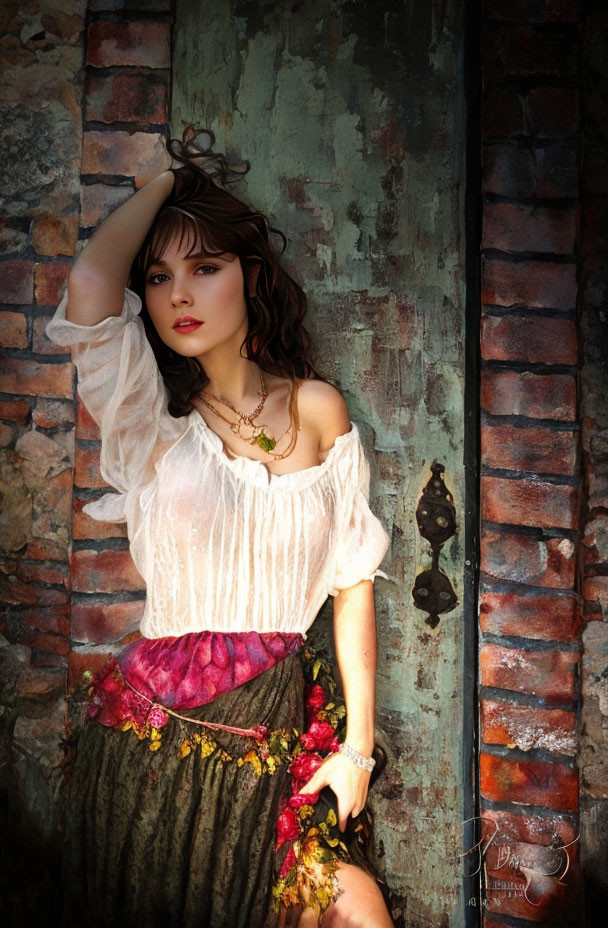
<point x="256" y="473"/>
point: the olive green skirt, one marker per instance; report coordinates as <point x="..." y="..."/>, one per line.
<point x="152" y="838"/>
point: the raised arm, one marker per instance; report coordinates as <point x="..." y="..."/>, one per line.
<point x="100" y="274"/>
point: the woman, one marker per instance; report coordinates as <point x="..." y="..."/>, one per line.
<point x="244" y="487"/>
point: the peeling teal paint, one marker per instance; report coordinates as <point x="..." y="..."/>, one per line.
<point x="351" y="114"/>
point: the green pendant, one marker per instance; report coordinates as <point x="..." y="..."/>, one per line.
<point x="265" y="443"/>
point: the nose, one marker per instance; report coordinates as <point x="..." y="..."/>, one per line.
<point x="180" y="293"/>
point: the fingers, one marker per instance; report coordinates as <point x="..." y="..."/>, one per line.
<point x="350" y="795"/>
<point x="315" y="784"/>
<point x="343" y="814"/>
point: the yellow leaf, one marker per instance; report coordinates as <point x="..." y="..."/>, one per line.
<point x="155" y="735"/>
<point x="207" y="747"/>
<point x="331" y="818"/>
<point x="315" y="669"/>
<point x="253" y="759"/>
<point x="272" y="763"/>
<point x="126" y="726"/>
<point x="305" y="811"/>
<point x="154" y="745"/>
<point x="322" y="896"/>
<point x="184" y="750"/>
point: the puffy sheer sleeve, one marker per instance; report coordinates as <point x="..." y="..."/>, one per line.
<point x="360" y="539"/>
<point x="121" y="386"/>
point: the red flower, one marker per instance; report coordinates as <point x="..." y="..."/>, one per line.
<point x="317" y="698"/>
<point x="290" y="860"/>
<point x="307" y="742"/>
<point x="109" y="685"/>
<point x="288" y="828"/>
<point x="304" y="765"/>
<point x="303" y="799"/>
<point x="318" y="737"/>
<point x="157" y="718"/>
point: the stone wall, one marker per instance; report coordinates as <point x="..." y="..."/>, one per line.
<point x="40" y="101"/>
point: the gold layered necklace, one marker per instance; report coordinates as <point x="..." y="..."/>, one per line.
<point x="257" y="435"/>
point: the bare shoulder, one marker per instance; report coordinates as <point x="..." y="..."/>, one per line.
<point x="323" y="409"/>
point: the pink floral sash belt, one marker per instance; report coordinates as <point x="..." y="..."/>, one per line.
<point x="179" y="673"/>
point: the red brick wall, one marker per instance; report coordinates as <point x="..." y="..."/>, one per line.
<point x="530" y="613"/>
<point x="70" y="591"/>
<point x="126" y="96"/>
<point x="593" y="759"/>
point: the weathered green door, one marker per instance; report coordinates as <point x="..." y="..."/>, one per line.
<point x="352" y="116"/>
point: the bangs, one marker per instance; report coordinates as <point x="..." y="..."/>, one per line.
<point x="177" y="225"/>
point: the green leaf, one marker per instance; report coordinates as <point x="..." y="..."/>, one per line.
<point x="325" y="857"/>
<point x="265" y="443"/>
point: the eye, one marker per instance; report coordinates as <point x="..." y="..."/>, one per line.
<point x="152" y="278"/>
<point x="206" y="271"/>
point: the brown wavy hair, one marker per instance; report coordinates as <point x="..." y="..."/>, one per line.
<point x="201" y="210"/>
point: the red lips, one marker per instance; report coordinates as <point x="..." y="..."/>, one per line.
<point x="184" y="319"/>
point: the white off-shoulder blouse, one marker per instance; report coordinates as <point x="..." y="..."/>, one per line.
<point x="222" y="544"/>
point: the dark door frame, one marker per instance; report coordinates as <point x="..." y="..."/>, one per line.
<point x="472" y="77"/>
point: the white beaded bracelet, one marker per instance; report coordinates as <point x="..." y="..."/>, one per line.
<point x="366" y="763"/>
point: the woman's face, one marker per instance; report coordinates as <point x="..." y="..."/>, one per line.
<point x="209" y="291"/>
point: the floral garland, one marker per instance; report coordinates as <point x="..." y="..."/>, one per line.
<point x="307" y="825"/>
<point x="307" y="828"/>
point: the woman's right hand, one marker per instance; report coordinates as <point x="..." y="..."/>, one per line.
<point x="186" y="177"/>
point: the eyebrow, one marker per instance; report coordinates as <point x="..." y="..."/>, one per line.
<point x="194" y="257"/>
